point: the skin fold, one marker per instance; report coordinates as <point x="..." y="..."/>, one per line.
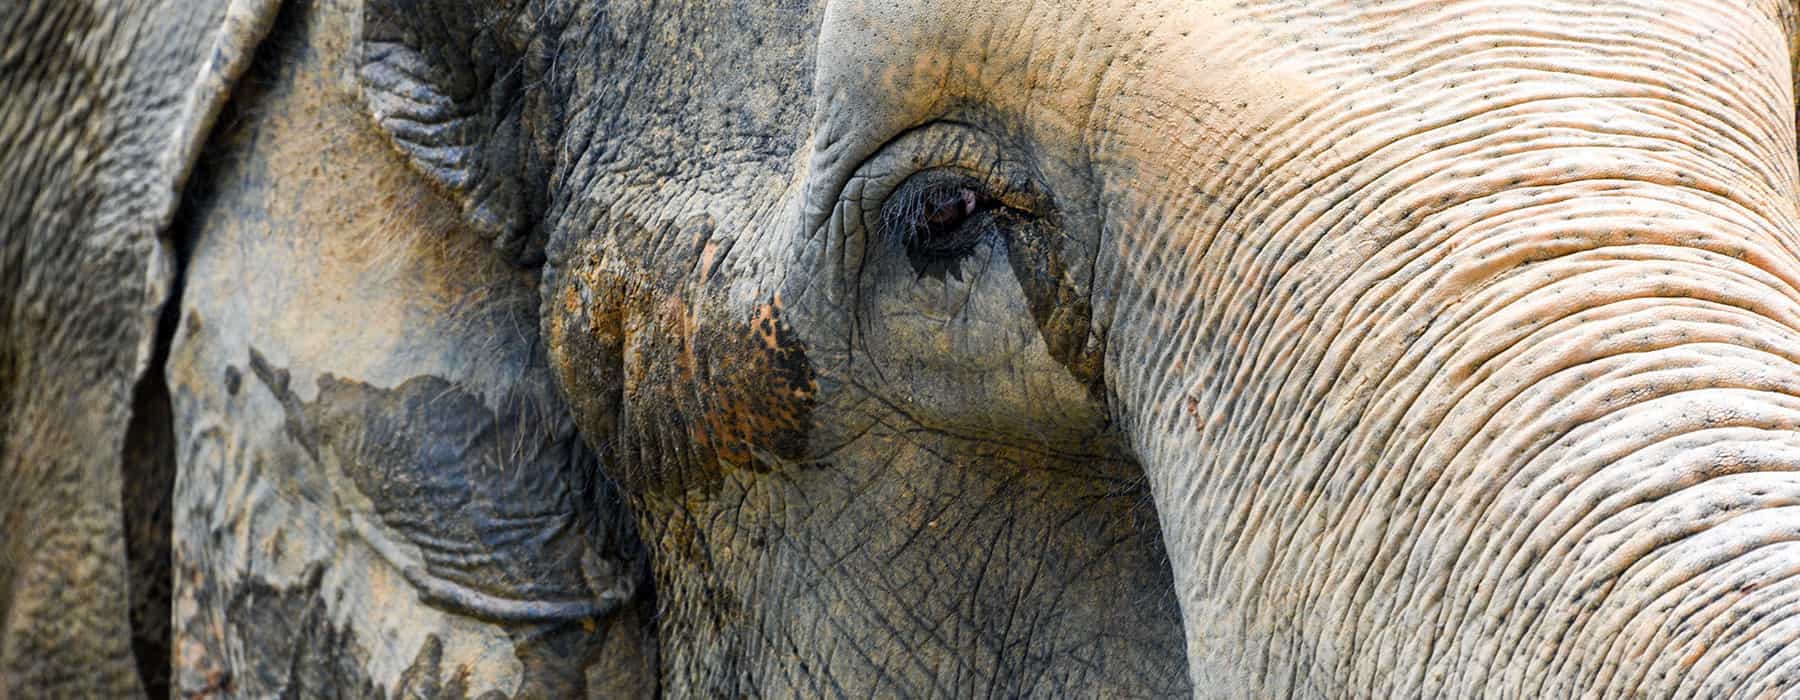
<point x="1327" y="348"/>
<point x="380" y="490"/>
<point x="102" y="108"/>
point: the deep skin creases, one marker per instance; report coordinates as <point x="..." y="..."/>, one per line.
<point x="1447" y="341"/>
<point x="790" y="412"/>
<point x="1438" y="329"/>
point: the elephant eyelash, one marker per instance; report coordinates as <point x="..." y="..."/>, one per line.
<point x="939" y="221"/>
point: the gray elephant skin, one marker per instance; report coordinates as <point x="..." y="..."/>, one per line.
<point x="570" y="348"/>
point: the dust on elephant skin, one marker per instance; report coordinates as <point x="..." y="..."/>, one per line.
<point x="504" y="507"/>
<point x="1089" y="348"/>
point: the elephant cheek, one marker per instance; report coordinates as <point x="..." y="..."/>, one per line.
<point x="674" y="392"/>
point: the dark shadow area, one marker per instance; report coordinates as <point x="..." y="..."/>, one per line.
<point x="149" y="487"/>
<point x="149" y="483"/>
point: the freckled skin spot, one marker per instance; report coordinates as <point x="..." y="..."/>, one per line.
<point x="761" y="389"/>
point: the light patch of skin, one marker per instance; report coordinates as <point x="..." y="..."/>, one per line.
<point x="1381" y="282"/>
<point x="320" y="251"/>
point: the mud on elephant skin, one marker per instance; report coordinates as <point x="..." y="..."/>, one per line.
<point x="367" y="327"/>
<point x="373" y="452"/>
<point x="1309" y="348"/>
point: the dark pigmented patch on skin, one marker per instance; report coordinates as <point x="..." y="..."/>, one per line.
<point x="730" y="395"/>
<point x="762" y="390"/>
<point x="671" y="380"/>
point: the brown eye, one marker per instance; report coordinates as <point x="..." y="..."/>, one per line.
<point x="939" y="222"/>
<point x="953" y="210"/>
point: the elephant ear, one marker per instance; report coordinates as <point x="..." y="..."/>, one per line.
<point x="104" y="106"/>
<point x="446" y="80"/>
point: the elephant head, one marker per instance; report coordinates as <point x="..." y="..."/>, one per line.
<point x="394" y="382"/>
<point x="1455" y="340"/>
<point x="1452" y="340"/>
<point x="1089" y="348"/>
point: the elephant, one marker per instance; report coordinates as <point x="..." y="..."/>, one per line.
<point x="546" y="348"/>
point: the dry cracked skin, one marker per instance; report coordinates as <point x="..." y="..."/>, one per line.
<point x="1087" y="348"/>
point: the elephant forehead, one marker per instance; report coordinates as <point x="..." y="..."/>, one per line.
<point x="1108" y="76"/>
<point x="1057" y="67"/>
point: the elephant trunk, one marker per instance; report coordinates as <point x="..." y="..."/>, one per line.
<point x="1523" y="426"/>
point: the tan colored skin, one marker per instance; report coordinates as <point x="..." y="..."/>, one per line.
<point x="1456" y="338"/>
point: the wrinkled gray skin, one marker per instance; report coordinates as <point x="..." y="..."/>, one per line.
<point x="1323" y="349"/>
<point x="102" y="110"/>
<point x="361" y="400"/>
<point x="382" y="490"/>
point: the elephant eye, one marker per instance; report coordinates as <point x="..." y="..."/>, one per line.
<point x="939" y="221"/>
